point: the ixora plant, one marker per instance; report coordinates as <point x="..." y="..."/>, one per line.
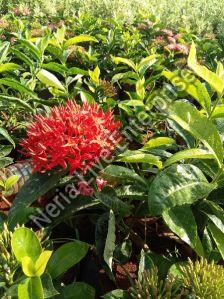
<point x="145" y="180"/>
<point x="73" y="137"/>
<point x="198" y="279"/>
<point x="31" y="270"/>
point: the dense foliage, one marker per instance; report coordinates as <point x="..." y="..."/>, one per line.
<point x="201" y="16"/>
<point x="111" y="154"/>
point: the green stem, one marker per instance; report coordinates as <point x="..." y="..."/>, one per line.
<point x="219" y="173"/>
<point x="213" y="108"/>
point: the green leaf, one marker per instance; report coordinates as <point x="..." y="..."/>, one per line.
<point x="7" y="67"/>
<point x="181" y="221"/>
<point x="18" y="102"/>
<point x="132" y="103"/>
<point x="110" y="241"/>
<point x="119" y="174"/>
<point x="5" y="150"/>
<point x="17" y="86"/>
<point x="77" y="290"/>
<point x="5" y="161"/>
<point x="48" y="287"/>
<point x="49" y="79"/>
<point x="145" y="263"/>
<point x="11" y="181"/>
<point x="95" y="75"/>
<point x="33" y="49"/>
<point x="5" y="134"/>
<point x="41" y="262"/>
<point x="220" y="70"/>
<point x="65" y="257"/>
<point x="28" y="266"/>
<point x="218" y="112"/>
<point x="146" y="62"/>
<point x="36" y="289"/>
<point x="177" y="185"/>
<point x="4" y="48"/>
<point x="60" y="34"/>
<point x="158" y="141"/>
<point x="218" y="237"/>
<point x="22" y="57"/>
<point x="80" y="39"/>
<point x="56" y="67"/>
<point x="193" y="153"/>
<point x="188" y="117"/>
<point x="131" y="192"/>
<point x="126" y="61"/>
<point x="185" y="81"/>
<point x="25" y="243"/>
<point x="109" y="198"/>
<point x="117" y="294"/>
<point x="211" y="78"/>
<point x="23" y="289"/>
<point x="34" y="188"/>
<point x="140" y="88"/>
<point x="77" y="71"/>
<point x="140" y="157"/>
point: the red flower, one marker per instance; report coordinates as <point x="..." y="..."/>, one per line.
<point x="100" y="182"/>
<point x="85" y="189"/>
<point x="74" y="137"/>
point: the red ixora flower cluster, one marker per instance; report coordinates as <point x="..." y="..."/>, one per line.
<point x="73" y="137"/>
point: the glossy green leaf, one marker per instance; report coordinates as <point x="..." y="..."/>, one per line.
<point x="49" y="79"/>
<point x="188" y="117"/>
<point x="218" y="112"/>
<point x="140" y="157"/>
<point x="185" y="81"/>
<point x="25" y="243"/>
<point x="80" y="39"/>
<point x="158" y="141"/>
<point x="18" y="102"/>
<point x="28" y="266"/>
<point x="95" y="75"/>
<point x="110" y="241"/>
<point x="218" y="237"/>
<point x="145" y="263"/>
<point x="56" y="67"/>
<point x="77" y="290"/>
<point x="117" y="294"/>
<point x="177" y="185"/>
<point x="48" y="287"/>
<point x="6" y="135"/>
<point x="33" y="49"/>
<point x="146" y="62"/>
<point x="17" y="86"/>
<point x="181" y="221"/>
<point x="4" y="49"/>
<point x="211" y="78"/>
<point x="23" y="57"/>
<point x="115" y="173"/>
<point x="126" y="61"/>
<point x="109" y="198"/>
<point x="193" y="153"/>
<point x="8" y="67"/>
<point x="65" y="257"/>
<point x="41" y="262"/>
<point x="5" y="161"/>
<point x="11" y="181"/>
<point x="23" y="289"/>
<point x="34" y="188"/>
<point x="140" y="88"/>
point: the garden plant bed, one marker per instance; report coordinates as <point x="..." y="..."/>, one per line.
<point x="111" y="150"/>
